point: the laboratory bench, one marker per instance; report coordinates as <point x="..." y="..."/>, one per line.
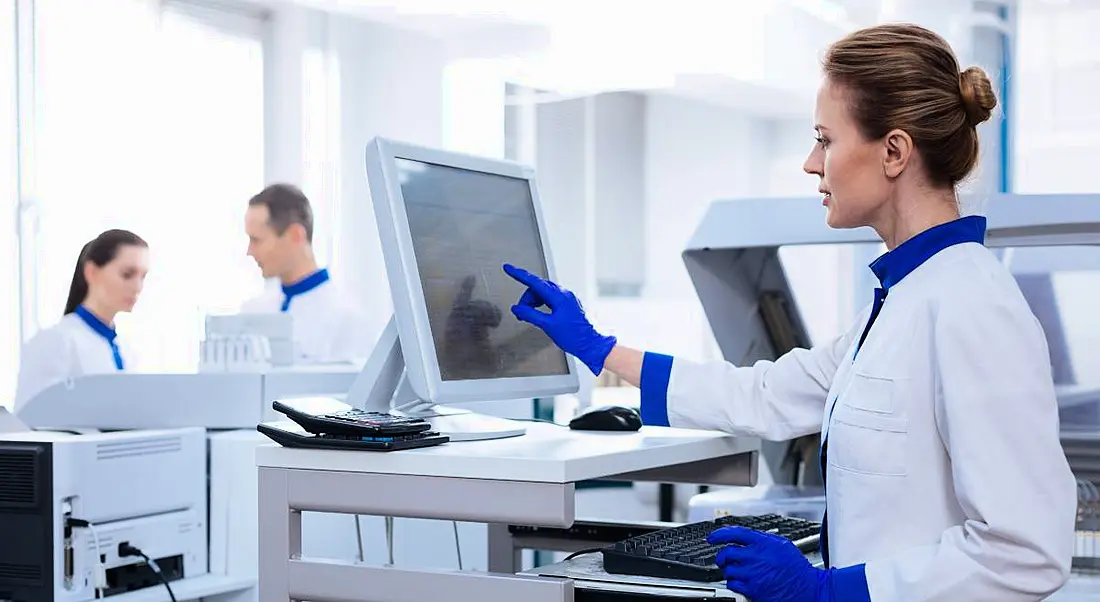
<point x="523" y="488"/>
<point x="526" y="480"/>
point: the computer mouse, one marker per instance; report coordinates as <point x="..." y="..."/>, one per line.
<point x="607" y="418"/>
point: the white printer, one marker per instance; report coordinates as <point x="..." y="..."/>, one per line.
<point x="69" y="504"/>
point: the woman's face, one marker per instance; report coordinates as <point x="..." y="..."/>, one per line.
<point x="851" y="168"/>
<point x="117" y="285"/>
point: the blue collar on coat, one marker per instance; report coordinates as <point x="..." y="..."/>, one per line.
<point x="303" y="286"/>
<point x="93" y="322"/>
<point x="894" y="265"/>
<point x="103" y="330"/>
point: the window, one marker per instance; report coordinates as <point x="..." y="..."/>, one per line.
<point x="321" y="147"/>
<point x="150" y="119"/>
<point x="1057" y="72"/>
<point x="9" y="195"/>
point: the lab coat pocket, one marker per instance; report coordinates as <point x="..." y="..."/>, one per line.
<point x="868" y="444"/>
<point x="870" y="394"/>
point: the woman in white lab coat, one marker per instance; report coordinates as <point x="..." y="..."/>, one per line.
<point x="945" y="478"/>
<point x="108" y="279"/>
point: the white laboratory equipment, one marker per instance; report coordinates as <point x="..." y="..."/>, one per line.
<point x="228" y="405"/>
<point x="249" y="338"/>
<point x="72" y="506"/>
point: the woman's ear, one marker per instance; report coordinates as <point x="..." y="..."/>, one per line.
<point x="91" y="273"/>
<point x="899" y="151"/>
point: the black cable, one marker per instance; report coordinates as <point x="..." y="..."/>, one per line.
<point x="125" y="549"/>
<point x="537" y="420"/>
<point x="581" y="553"/>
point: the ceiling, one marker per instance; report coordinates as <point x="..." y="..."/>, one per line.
<point x="760" y="56"/>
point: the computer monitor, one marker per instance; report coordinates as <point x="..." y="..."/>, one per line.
<point x="447" y="223"/>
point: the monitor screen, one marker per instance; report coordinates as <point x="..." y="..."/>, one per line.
<point x="465" y="225"/>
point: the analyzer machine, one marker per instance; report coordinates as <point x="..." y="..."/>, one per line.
<point x="92" y="516"/>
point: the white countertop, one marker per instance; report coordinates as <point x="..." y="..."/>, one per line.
<point x="547" y="453"/>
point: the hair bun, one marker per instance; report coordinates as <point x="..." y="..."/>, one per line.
<point x="977" y="95"/>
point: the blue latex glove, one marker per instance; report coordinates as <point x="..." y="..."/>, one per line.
<point x="768" y="568"/>
<point x="565" y="323"/>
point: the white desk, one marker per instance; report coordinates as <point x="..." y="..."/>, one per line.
<point x="524" y="480"/>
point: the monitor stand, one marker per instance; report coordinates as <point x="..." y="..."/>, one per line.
<point x="383" y="386"/>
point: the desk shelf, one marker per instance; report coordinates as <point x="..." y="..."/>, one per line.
<point x="191" y="588"/>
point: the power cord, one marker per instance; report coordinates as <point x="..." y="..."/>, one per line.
<point x="458" y="548"/>
<point x="125" y="549"/>
<point x="581" y="553"/>
<point x="100" y="570"/>
<point x="537" y="420"/>
<point x="389" y="539"/>
<point x="359" y="539"/>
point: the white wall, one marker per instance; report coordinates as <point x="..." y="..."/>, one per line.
<point x="695" y="153"/>
<point x="391" y="84"/>
<point x="387" y="82"/>
<point x="618" y="183"/>
<point x="560" y="164"/>
<point x="287" y="38"/>
<point x="790" y="143"/>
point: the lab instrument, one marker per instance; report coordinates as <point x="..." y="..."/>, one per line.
<point x="68" y="502"/>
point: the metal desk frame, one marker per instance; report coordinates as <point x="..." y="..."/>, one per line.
<point x="284" y="493"/>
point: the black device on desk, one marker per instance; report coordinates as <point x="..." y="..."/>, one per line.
<point x="607" y="418"/>
<point x="683" y="552"/>
<point x="324" y="422"/>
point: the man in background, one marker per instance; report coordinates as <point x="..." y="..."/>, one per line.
<point x="329" y="326"/>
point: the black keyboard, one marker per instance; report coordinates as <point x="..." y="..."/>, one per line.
<point x="380" y="421"/>
<point x="334" y="418"/>
<point x="683" y="552"/>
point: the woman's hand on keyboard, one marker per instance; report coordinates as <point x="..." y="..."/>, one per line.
<point x="769" y="568"/>
<point x="766" y="567"/>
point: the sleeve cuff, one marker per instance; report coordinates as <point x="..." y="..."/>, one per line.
<point x="849" y="584"/>
<point x="656" y="372"/>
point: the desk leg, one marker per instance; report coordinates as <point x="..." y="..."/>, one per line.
<point x="280" y="535"/>
<point x="504" y="557"/>
<point x="666" y="502"/>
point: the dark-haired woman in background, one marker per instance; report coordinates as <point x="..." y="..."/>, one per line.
<point x="108" y="279"/>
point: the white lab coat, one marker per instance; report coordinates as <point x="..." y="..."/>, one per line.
<point x="945" y="474"/>
<point x="328" y="325"/>
<point x="65" y="350"/>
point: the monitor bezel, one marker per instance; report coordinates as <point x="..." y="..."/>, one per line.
<point x="409" y="305"/>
